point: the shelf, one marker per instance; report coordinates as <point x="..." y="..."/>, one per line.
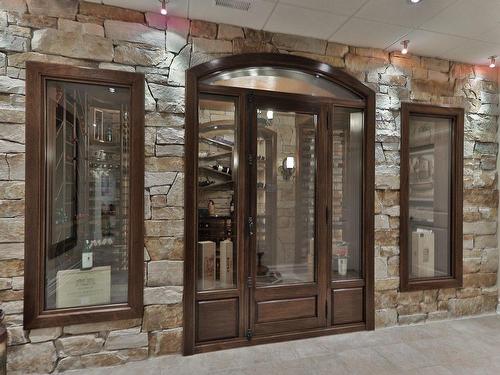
<point x="216" y="143"/>
<point x="216" y="156"/>
<point x="216" y="172"/>
<point x="216" y="185"/>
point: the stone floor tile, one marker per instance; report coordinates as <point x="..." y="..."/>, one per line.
<point x="465" y="346"/>
<point x="366" y="361"/>
<point x="433" y="370"/>
<point x="405" y="357"/>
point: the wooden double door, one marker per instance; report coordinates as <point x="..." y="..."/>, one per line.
<point x="292" y="165"/>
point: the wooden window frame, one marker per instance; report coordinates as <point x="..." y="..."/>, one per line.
<point x="456" y="115"/>
<point x="35" y="315"/>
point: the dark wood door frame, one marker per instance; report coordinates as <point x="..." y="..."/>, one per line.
<point x="193" y="88"/>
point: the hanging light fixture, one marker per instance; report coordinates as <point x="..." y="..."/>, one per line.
<point x="164" y="7"/>
<point x="493" y="61"/>
<point x="404" y="50"/>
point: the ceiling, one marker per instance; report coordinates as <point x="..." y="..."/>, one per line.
<point x="461" y="30"/>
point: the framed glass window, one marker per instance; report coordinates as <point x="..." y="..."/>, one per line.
<point x="84" y="238"/>
<point x="347" y="193"/>
<point x="217" y="185"/>
<point x="431" y="197"/>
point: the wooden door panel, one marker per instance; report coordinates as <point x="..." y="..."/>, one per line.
<point x="286" y="309"/>
<point x="217" y="319"/>
<point x="347" y="306"/>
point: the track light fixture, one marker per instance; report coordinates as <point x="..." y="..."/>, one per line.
<point x="164" y="7"/>
<point x="493" y="61"/>
<point x="405" y="43"/>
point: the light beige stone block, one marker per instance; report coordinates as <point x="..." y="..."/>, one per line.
<point x="163" y="295"/>
<point x="229" y="32"/>
<point x="71" y="44"/>
<point x="299" y="43"/>
<point x="38" y="358"/>
<point x="80" y="27"/>
<point x="134" y="32"/>
<point x="78" y="345"/>
<point x="165" y="272"/>
<point x="159" y="317"/>
<point x="126" y="339"/>
<point x="166" y="342"/>
<point x="44" y="334"/>
<point x="54" y="8"/>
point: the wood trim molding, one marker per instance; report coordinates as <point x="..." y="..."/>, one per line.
<point x="455" y="279"/>
<point x="35" y="314"/>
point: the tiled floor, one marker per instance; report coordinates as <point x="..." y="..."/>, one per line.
<point x="468" y="346"/>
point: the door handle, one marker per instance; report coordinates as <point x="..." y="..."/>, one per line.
<point x="251" y="226"/>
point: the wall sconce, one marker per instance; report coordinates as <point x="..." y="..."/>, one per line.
<point x="287" y="168"/>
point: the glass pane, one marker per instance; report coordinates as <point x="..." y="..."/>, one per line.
<point x="429" y="196"/>
<point x="347" y="164"/>
<point x="281" y="80"/>
<point x="286" y="168"/>
<point x="217" y="171"/>
<point x="86" y="262"/>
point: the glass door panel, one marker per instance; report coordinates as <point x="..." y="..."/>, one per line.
<point x="285" y="197"/>
<point x="347" y="164"/>
<point x="288" y="292"/>
<point x="217" y="171"/>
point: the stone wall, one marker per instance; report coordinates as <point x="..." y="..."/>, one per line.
<point x="91" y="35"/>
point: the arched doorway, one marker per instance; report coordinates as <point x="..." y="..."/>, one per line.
<point x="279" y="202"/>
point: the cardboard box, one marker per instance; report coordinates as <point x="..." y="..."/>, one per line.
<point x="422" y="253"/>
<point x="206" y="254"/>
<point x="226" y="264"/>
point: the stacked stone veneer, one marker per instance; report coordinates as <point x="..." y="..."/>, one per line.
<point x="92" y="35"/>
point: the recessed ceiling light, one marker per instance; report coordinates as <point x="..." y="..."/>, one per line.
<point x="415" y="1"/>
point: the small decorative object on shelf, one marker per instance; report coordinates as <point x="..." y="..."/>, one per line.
<point x="221" y="168"/>
<point x="3" y="346"/>
<point x="261" y="269"/>
<point x="211" y="208"/>
<point x="342" y="255"/>
<point x="206" y="182"/>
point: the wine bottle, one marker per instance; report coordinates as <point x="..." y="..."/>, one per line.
<point x="87" y="256"/>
